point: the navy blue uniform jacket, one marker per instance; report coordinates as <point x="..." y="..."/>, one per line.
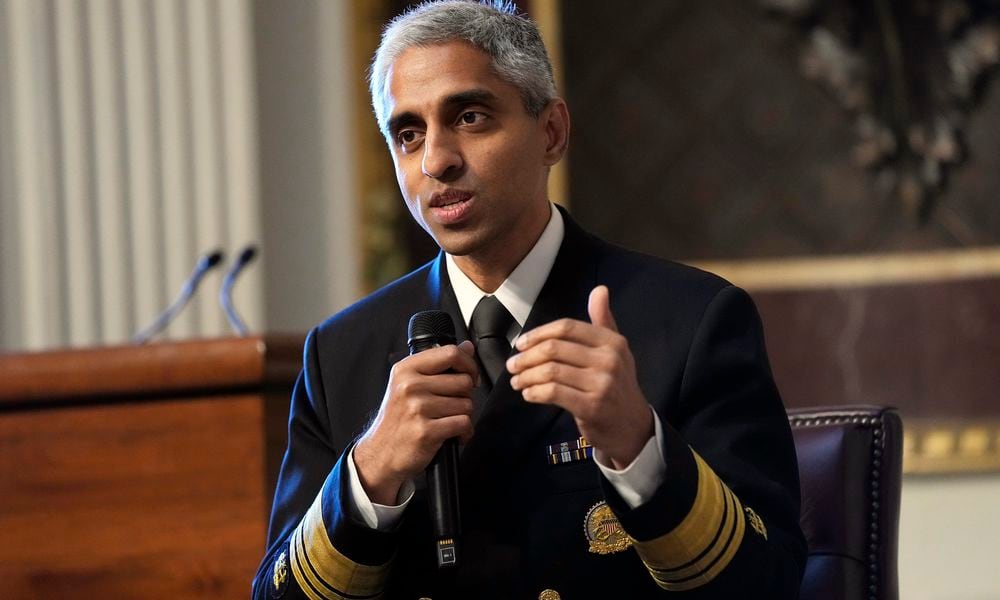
<point x="724" y="524"/>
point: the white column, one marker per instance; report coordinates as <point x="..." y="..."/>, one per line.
<point x="113" y="241"/>
<point x="144" y="224"/>
<point x="75" y="169"/>
<point x="240" y="142"/>
<point x="340" y="185"/>
<point x="174" y="135"/>
<point x="33" y="166"/>
<point x="206" y="127"/>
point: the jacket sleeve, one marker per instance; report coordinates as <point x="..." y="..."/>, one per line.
<point x="316" y="549"/>
<point x="725" y="521"/>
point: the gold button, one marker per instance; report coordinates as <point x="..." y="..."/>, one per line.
<point x="549" y="595"/>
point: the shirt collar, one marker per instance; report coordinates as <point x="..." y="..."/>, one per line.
<point x="520" y="290"/>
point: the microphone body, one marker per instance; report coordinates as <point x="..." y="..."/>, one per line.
<point x="206" y="263"/>
<point x="226" y="292"/>
<point x="429" y="329"/>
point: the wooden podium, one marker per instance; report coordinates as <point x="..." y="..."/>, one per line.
<point x="143" y="471"/>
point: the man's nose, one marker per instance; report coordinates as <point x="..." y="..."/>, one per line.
<point x="442" y="157"/>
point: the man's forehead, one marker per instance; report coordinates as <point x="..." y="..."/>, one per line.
<point x="436" y="74"/>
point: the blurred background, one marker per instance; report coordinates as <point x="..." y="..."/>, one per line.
<point x="839" y="159"/>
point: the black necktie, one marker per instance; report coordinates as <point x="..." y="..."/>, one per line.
<point x="490" y="324"/>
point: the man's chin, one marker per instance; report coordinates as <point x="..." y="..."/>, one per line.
<point x="463" y="244"/>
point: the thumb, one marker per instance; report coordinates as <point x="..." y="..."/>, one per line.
<point x="467" y="347"/>
<point x="599" y="308"/>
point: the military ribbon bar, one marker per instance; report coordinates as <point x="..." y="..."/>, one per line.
<point x="571" y="451"/>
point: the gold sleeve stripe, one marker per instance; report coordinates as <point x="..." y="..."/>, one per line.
<point x="704" y="543"/>
<point x="717" y="545"/>
<point x="322" y="571"/>
<point x="688" y="578"/>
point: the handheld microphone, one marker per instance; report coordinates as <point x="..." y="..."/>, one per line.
<point x="226" y="292"/>
<point x="429" y="329"/>
<point x="206" y="263"/>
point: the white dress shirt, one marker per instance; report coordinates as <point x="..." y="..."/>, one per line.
<point x="636" y="483"/>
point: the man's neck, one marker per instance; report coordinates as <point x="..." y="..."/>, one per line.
<point x="488" y="275"/>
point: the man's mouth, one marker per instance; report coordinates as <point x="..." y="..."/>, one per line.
<point x="448" y="198"/>
<point x="450" y="207"/>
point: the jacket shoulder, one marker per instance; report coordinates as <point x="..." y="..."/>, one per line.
<point x="654" y="277"/>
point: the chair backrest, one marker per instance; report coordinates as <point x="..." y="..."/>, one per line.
<point x="850" y="465"/>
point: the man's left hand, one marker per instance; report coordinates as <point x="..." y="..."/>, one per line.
<point x="588" y="370"/>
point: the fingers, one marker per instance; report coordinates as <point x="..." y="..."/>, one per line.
<point x="427" y="401"/>
<point x="599" y="308"/>
<point x="602" y="330"/>
<point x="555" y="350"/>
<point x="568" y="330"/>
<point x="444" y="358"/>
<point x="442" y="407"/>
<point x="572" y="388"/>
<point x="553" y="372"/>
<point x="554" y="393"/>
<point x="456" y="426"/>
<point x="407" y="383"/>
<point x="578" y="366"/>
<point x="459" y="385"/>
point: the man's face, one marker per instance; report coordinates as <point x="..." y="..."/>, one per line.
<point x="472" y="164"/>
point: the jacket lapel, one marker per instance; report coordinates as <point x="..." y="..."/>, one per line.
<point x="439" y="296"/>
<point x="509" y="426"/>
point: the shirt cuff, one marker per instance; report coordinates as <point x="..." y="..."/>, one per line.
<point x="380" y="517"/>
<point x="638" y="482"/>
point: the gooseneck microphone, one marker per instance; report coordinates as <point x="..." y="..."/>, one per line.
<point x="206" y="263"/>
<point x="226" y="292"/>
<point x="429" y="329"/>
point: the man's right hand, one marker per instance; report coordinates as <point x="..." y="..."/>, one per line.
<point x="428" y="400"/>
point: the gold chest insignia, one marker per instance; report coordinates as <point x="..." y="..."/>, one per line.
<point x="280" y="570"/>
<point x="755" y="521"/>
<point x="604" y="532"/>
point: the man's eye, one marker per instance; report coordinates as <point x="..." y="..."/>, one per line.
<point x="471" y="117"/>
<point x="407" y="136"/>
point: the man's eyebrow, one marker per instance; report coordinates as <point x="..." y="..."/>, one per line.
<point x="397" y="122"/>
<point x="473" y="96"/>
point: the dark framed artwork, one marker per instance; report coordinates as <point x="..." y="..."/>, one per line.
<point x="840" y="161"/>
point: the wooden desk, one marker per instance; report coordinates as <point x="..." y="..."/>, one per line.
<point x="141" y="472"/>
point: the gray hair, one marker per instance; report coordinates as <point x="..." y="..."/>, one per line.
<point x="493" y="26"/>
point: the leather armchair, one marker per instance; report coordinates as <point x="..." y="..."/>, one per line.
<point x="850" y="465"/>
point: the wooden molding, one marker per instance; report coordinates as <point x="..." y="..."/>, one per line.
<point x="857" y="270"/>
<point x="932" y="447"/>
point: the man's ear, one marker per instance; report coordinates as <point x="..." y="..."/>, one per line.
<point x="555" y="120"/>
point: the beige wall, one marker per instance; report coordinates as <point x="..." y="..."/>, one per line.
<point x="307" y="170"/>
<point x="950" y="538"/>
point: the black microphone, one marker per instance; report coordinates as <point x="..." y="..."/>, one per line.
<point x="429" y="329"/>
<point x="206" y="263"/>
<point x="226" y="292"/>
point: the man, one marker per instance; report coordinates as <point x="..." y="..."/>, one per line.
<point x="633" y="444"/>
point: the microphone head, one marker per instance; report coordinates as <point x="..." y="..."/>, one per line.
<point x="430" y="328"/>
<point x="248" y="254"/>
<point x="210" y="260"/>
